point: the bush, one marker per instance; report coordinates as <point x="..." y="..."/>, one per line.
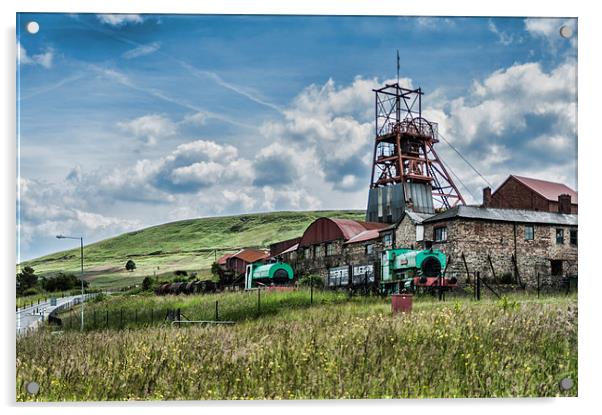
<point x="62" y="282"/>
<point x="180" y="273"/>
<point x="507" y="278"/>
<point x="311" y="279"/>
<point x="130" y="265"/>
<point x="147" y="283"/>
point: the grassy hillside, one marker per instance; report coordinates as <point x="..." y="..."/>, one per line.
<point x="190" y="245"/>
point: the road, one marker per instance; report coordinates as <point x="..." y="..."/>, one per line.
<point x="28" y="318"/>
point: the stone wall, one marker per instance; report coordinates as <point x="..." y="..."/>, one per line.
<point x="405" y="234"/>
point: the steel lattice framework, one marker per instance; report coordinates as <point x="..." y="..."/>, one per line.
<point x="404" y="146"/>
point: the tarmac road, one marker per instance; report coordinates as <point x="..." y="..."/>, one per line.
<point x="28" y="318"/>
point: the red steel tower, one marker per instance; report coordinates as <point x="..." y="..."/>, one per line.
<point x="407" y="173"/>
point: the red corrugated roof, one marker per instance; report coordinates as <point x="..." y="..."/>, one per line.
<point x="222" y="260"/>
<point x="329" y="229"/>
<point x="366" y="235"/>
<point x="549" y="190"/>
<point x="291" y="249"/>
<point x="251" y="255"/>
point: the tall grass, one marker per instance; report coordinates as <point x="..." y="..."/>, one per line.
<point x="333" y="350"/>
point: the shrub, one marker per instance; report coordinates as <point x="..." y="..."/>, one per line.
<point x="147" y="283"/>
<point x="311" y="279"/>
<point x="507" y="278"/>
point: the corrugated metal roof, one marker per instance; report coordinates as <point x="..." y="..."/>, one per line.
<point x="364" y="236"/>
<point x="549" y="190"/>
<point x="291" y="249"/>
<point x="222" y="260"/>
<point x="505" y="215"/>
<point x="250" y="255"/>
<point x="351" y="228"/>
<point x="418" y="217"/>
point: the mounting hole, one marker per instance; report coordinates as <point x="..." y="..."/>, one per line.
<point x="566" y="384"/>
<point x="32" y="388"/>
<point x="32" y="27"/>
<point x="566" y="31"/>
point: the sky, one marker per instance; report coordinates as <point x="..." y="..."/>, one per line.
<point x="128" y="121"/>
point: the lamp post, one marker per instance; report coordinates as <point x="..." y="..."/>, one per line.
<point x="81" y="240"/>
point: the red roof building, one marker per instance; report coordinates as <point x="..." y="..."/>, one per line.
<point x="238" y="261"/>
<point x="518" y="192"/>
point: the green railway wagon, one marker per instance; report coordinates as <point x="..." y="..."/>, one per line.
<point x="277" y="273"/>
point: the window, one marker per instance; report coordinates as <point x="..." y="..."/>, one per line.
<point x="369" y="249"/>
<point x="559" y="236"/>
<point x="556" y="266"/>
<point x="307" y="253"/>
<point x="440" y="234"/>
<point x="529" y="232"/>
<point x="388" y="239"/>
<point x="329" y="249"/>
<point x="573" y="236"/>
<point x="318" y="251"/>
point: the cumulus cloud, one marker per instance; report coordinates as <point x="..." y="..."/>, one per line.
<point x="47" y="209"/>
<point x="149" y="128"/>
<point x="118" y="20"/>
<point x="517" y="120"/>
<point x="142" y="50"/>
<point x="44" y="59"/>
<point x="548" y="29"/>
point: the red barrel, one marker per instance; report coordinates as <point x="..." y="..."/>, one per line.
<point x="401" y="303"/>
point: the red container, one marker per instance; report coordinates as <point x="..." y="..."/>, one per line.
<point x="401" y="303"/>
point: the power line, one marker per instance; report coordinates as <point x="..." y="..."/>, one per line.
<point x="466" y="161"/>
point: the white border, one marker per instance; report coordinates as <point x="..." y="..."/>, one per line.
<point x="589" y="184"/>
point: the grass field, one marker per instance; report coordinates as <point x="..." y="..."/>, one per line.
<point x="190" y="245"/>
<point x="335" y="348"/>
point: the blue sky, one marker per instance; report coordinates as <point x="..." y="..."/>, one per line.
<point x="127" y="121"/>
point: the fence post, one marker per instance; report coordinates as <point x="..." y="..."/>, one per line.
<point x="136" y="316"/>
<point x="538" y="285"/>
<point x="478" y="286"/>
<point x="311" y="290"/>
<point x="258" y="300"/>
<point x="216" y="310"/>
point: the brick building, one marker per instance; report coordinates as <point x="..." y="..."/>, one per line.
<point x="518" y="192"/>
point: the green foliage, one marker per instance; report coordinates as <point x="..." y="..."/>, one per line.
<point x="147" y="283"/>
<point x="311" y="279"/>
<point x="26" y="279"/>
<point x="506" y="304"/>
<point x="62" y="282"/>
<point x="130" y="265"/>
<point x="328" y="351"/>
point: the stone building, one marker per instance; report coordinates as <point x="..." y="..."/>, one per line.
<point x="508" y="243"/>
<point x="500" y="241"/>
<point x="518" y="192"/>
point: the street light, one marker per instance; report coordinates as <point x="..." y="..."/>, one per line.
<point x="81" y="240"/>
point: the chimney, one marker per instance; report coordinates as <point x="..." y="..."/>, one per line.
<point x="564" y="203"/>
<point x="486" y="196"/>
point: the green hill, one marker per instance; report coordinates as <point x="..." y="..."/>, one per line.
<point x="190" y="245"/>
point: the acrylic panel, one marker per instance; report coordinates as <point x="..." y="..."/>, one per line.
<point x="221" y="207"/>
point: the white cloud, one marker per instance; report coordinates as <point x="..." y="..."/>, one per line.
<point x="119" y="19"/>
<point x="503" y="37"/>
<point x="142" y="50"/>
<point x="149" y="128"/>
<point x="44" y="59"/>
<point x="549" y="30"/>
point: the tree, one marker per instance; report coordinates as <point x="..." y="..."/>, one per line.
<point x="26" y="279"/>
<point x="62" y="282"/>
<point x="130" y="265"/>
<point x="147" y="283"/>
